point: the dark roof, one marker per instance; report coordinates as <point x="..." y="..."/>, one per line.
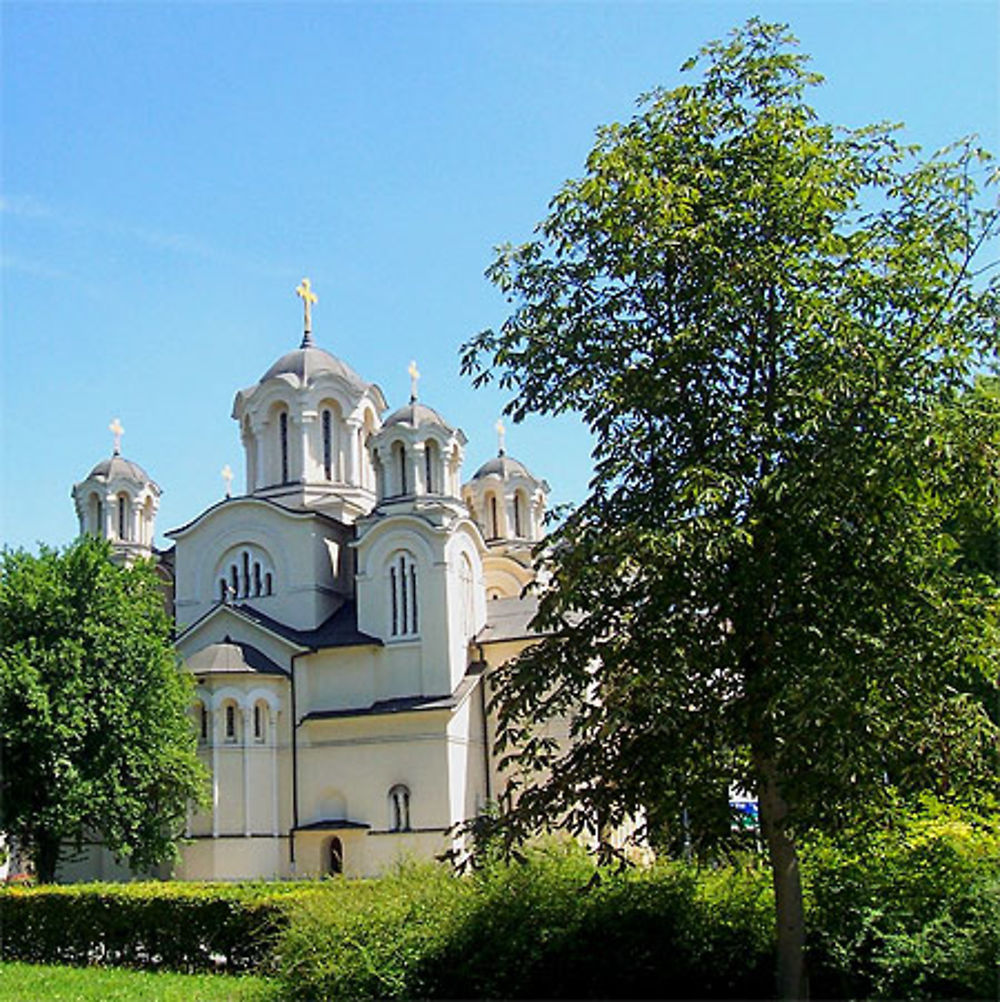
<point x="307" y="361"/>
<point x="406" y="704"/>
<point x="338" y="630"/>
<point x="233" y="657"/>
<point x="332" y="824"/>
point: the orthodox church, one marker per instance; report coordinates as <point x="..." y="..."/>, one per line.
<point x="340" y="618"/>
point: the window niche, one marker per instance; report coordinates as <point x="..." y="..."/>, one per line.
<point x="399" y="808"/>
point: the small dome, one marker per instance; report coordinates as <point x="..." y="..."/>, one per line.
<point x="308" y="361"/>
<point x="117" y="467"/>
<point x="417" y="415"/>
<point x="504" y="467"/>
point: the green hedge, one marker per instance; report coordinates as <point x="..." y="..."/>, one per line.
<point x="534" y="930"/>
<point x="181" y="927"/>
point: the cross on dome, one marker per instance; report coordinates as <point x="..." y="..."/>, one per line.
<point x="501" y="432"/>
<point x="308" y="297"/>
<point x="414" y="379"/>
<point x="117" y="430"/>
<point x="227" y="476"/>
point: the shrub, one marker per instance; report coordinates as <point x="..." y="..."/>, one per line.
<point x="910" y="911"/>
<point x="182" y="927"/>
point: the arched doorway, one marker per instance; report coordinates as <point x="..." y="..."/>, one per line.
<point x="335" y="856"/>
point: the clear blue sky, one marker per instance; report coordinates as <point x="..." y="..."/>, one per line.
<point x="170" y="171"/>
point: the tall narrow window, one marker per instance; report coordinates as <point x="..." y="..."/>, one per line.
<point x="518" y="516"/>
<point x="283" y="435"/>
<point x="327" y="445"/>
<point x="403" y="595"/>
<point x="401" y="462"/>
<point x="429" y="466"/>
<point x="222" y="589"/>
<point x="230" y="722"/>
<point x="122" y="517"/>
<point x="234" y="581"/>
<point x="399" y="809"/>
<point x="494" y="518"/>
<point x="204" y="723"/>
<point x="246" y="575"/>
<point x="256" y="578"/>
<point x="335" y="858"/>
<point x="258" y="722"/>
<point x="268" y="590"/>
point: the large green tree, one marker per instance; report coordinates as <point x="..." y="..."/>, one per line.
<point x="771" y="326"/>
<point x="95" y="741"/>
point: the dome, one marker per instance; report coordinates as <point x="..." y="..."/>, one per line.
<point x="417" y="415"/>
<point x="117" y="467"/>
<point x="504" y="467"/>
<point x="308" y="361"/>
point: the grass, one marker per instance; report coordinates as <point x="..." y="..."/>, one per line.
<point x="45" y="983"/>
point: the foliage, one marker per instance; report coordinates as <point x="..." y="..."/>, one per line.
<point x="93" y="712"/>
<point x="772" y="327"/>
<point x="180" y="927"/>
<point x="65" y="984"/>
<point x="909" y="911"/>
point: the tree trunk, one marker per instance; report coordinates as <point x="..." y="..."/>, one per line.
<point x="46" y="858"/>
<point x="789" y="911"/>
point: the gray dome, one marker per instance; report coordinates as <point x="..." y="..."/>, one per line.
<point x="504" y="467"/>
<point x="417" y="415"/>
<point x="117" y="467"/>
<point x="307" y="362"/>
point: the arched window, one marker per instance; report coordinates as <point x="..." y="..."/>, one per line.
<point x="230" y="731"/>
<point x="494" y="518"/>
<point x="222" y="589"/>
<point x="259" y="722"/>
<point x="246" y="574"/>
<point x="430" y="460"/>
<point x="335" y="856"/>
<point x="203" y="721"/>
<point x="267" y="584"/>
<point x="399" y="808"/>
<point x="400" y="452"/>
<point x="234" y="581"/>
<point x="327" y="445"/>
<point x="519" y="515"/>
<point x="403" y="595"/>
<point x="283" y="444"/>
<point x="256" y="577"/>
<point x="123" y="532"/>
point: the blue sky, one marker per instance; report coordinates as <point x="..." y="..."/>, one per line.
<point x="171" y="171"/>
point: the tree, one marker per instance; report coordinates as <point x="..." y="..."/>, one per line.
<point x="770" y="325"/>
<point x="96" y="741"/>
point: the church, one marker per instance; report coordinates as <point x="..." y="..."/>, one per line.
<point x="340" y="619"/>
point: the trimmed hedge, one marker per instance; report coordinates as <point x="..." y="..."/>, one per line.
<point x="180" y="927"/>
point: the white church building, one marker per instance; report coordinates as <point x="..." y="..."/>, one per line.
<point x="340" y="618"/>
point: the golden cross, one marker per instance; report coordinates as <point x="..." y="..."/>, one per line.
<point x="305" y="293"/>
<point x="501" y="431"/>
<point x="414" y="377"/>
<point x="227" y="475"/>
<point x="117" y="430"/>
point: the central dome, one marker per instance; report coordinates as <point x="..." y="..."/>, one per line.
<point x="308" y="361"/>
<point x="117" y="467"/>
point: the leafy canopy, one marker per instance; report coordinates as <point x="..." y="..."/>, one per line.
<point x="93" y="711"/>
<point x="772" y="326"/>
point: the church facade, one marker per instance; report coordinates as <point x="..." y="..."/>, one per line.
<point x="340" y="618"/>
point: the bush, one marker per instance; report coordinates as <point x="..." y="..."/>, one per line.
<point x="550" y="927"/>
<point x="911" y="911"/>
<point x="181" y="927"/>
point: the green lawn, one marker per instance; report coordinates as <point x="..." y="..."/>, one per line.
<point x="30" y="982"/>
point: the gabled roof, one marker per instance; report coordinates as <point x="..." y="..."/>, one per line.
<point x="508" y="619"/>
<point x="406" y="704"/>
<point x="299" y="513"/>
<point x="232" y="657"/>
<point x="338" y="630"/>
